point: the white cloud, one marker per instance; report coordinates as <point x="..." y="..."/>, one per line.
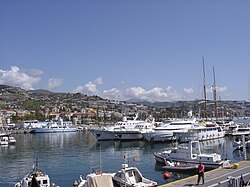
<point x="18" y="77"/>
<point x="98" y="81"/>
<point x="54" y="82"/>
<point x="221" y="89"/>
<point x="154" y="94"/>
<point x="90" y="87"/>
<point x="33" y="72"/>
<point x="188" y="90"/>
<point x="79" y="89"/>
<point x="113" y="94"/>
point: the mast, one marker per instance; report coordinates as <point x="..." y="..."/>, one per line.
<point x="204" y="89"/>
<point x="214" y="93"/>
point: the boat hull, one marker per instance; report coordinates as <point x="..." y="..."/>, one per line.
<point x="158" y="136"/>
<point x="53" y="130"/>
<point x="208" y="165"/>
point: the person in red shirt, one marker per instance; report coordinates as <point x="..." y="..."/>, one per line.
<point x="201" y="169"/>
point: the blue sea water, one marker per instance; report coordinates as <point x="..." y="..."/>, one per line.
<point x="66" y="156"/>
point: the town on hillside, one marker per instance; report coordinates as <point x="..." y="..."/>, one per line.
<point x="18" y="105"/>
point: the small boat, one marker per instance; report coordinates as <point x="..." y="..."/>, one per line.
<point x="98" y="179"/>
<point x="180" y="166"/>
<point x="238" y="143"/>
<point x="132" y="177"/>
<point x="6" y="139"/>
<point x="35" y="178"/>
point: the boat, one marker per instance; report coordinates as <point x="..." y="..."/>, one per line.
<point x="132" y="177"/>
<point x="97" y="179"/>
<point x="36" y="177"/>
<point x="180" y="166"/>
<point x="116" y="131"/>
<point x="191" y="153"/>
<point x="238" y="143"/>
<point x="136" y="132"/>
<point x="6" y="139"/>
<point x="200" y="133"/>
<point x="166" y="132"/>
<point x="52" y="127"/>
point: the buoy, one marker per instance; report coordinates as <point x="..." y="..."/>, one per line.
<point x="75" y="183"/>
<point x="166" y="176"/>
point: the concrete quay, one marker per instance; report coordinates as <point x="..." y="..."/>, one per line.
<point x="220" y="177"/>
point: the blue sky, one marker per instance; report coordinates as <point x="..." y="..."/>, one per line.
<point x="127" y="49"/>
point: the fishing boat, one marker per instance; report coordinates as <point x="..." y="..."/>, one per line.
<point x="36" y="177"/>
<point x="191" y="153"/>
<point x="132" y="177"/>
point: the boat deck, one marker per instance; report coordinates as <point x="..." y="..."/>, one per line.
<point x="218" y="177"/>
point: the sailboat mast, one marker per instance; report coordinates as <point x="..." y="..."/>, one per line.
<point x="214" y="92"/>
<point x="204" y="89"/>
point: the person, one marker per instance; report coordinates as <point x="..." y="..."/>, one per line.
<point x="201" y="169"/>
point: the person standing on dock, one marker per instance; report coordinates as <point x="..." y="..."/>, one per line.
<point x="201" y="169"/>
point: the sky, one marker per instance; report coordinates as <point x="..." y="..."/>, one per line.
<point x="127" y="49"/>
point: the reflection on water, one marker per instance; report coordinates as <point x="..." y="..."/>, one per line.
<point x="65" y="156"/>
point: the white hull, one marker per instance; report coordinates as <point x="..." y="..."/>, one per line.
<point x="200" y="134"/>
<point x="129" y="135"/>
<point x="208" y="165"/>
<point x="53" y="130"/>
<point x="159" y="136"/>
<point x="191" y="153"/>
<point x="102" y="134"/>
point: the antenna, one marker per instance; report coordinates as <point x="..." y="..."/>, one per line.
<point x="214" y="92"/>
<point x="204" y="88"/>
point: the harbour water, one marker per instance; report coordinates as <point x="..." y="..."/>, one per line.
<point x="66" y="156"/>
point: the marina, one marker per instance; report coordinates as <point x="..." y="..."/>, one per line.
<point x="66" y="156"/>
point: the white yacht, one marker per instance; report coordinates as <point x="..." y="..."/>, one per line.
<point x="108" y="133"/>
<point x="52" y="127"/>
<point x="136" y="132"/>
<point x="35" y="178"/>
<point x="191" y="153"/>
<point x="166" y="132"/>
<point x="200" y="133"/>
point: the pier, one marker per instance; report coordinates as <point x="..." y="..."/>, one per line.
<point x="220" y="177"/>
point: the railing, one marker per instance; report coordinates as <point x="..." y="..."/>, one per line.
<point x="239" y="181"/>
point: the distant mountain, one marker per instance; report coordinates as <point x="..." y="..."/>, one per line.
<point x="4" y="86"/>
<point x="41" y="91"/>
<point x="154" y="104"/>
